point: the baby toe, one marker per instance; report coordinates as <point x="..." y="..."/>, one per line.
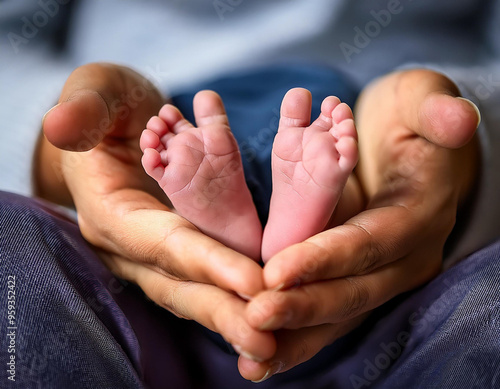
<point x="149" y="140"/>
<point x="347" y="147"/>
<point x="341" y="112"/>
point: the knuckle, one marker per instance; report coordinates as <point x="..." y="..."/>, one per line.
<point x="313" y="259"/>
<point x="371" y="253"/>
<point x="265" y="308"/>
<point x="156" y="257"/>
<point x="162" y="255"/>
<point x="307" y="308"/>
<point x="302" y="350"/>
<point x="243" y="330"/>
<point x="171" y="299"/>
<point x="153" y="254"/>
<point x="356" y="300"/>
<point x="369" y="261"/>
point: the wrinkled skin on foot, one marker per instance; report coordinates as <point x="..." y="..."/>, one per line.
<point x="311" y="163"/>
<point x="201" y="172"/>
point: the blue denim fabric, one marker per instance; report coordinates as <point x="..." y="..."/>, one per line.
<point x="79" y="327"/>
<point x="444" y="335"/>
<point x="60" y="306"/>
<point x="74" y="324"/>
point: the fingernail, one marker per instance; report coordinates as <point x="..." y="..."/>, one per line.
<point x="274" y="369"/>
<point x="244" y="296"/>
<point x="46" y="113"/>
<point x="246" y="355"/>
<point x="276" y="321"/>
<point x="291" y="284"/>
<point x="279" y="287"/>
<point x="475" y="108"/>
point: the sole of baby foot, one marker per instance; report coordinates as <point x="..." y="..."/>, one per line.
<point x="311" y="164"/>
<point x="200" y="170"/>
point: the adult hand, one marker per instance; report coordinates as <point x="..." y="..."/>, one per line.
<point x="101" y="113"/>
<point x="417" y="165"/>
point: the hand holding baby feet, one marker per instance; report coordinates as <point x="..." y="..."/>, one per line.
<point x="311" y="164"/>
<point x="200" y="170"/>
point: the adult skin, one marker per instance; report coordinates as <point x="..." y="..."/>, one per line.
<point x="103" y="108"/>
<point x="394" y="245"/>
<point x="418" y="162"/>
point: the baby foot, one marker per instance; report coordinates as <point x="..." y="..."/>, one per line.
<point x="200" y="170"/>
<point x="311" y="164"/>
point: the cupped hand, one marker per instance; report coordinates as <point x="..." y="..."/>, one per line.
<point x="418" y="160"/>
<point x="101" y="113"/>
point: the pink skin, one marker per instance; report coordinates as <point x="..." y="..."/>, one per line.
<point x="200" y="170"/>
<point x="311" y="164"/>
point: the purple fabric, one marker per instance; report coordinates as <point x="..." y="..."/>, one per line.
<point x="76" y="323"/>
<point x="79" y="327"/>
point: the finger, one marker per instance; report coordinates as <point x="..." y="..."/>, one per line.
<point x="368" y="241"/>
<point x="87" y="110"/>
<point x="95" y="100"/>
<point x="171" y="245"/>
<point x="209" y="109"/>
<point x="210" y="306"/>
<point x="338" y="300"/>
<point x="452" y="127"/>
<point x="433" y="109"/>
<point x="295" y="347"/>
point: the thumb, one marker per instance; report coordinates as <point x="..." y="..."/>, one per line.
<point x="448" y="121"/>
<point x="85" y="112"/>
<point x="98" y="100"/>
<point x="432" y="107"/>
